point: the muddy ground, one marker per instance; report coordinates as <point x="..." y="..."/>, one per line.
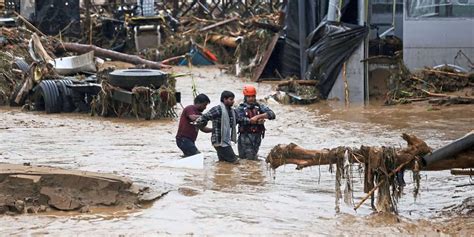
<point x="37" y="189"/>
<point x="246" y="198"/>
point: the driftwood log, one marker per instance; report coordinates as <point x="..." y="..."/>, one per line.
<point x="301" y="157"/>
<point x="100" y="52"/>
<point x="223" y="40"/>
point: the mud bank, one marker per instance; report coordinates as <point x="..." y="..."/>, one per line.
<point x="35" y="189"/>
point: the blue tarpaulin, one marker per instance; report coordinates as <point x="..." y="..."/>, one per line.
<point x="197" y="58"/>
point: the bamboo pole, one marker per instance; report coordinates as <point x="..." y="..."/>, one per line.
<point x="28" y="24"/>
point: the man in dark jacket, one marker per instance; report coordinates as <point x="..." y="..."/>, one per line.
<point x="224" y="131"/>
<point x="187" y="132"/>
<point x="250" y="135"/>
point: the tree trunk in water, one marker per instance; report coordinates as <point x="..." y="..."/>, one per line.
<point x="417" y="148"/>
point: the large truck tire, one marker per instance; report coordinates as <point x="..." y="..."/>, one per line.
<point x="130" y="78"/>
<point x="66" y="95"/>
<point x="47" y="97"/>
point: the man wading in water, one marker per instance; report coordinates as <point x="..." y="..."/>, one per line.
<point x="224" y="119"/>
<point x="250" y="135"/>
<point x="187" y="133"/>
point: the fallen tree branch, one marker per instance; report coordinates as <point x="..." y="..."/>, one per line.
<point x="451" y="100"/>
<point x="168" y="60"/>
<point x="432" y="94"/>
<point x="445" y="98"/>
<point x="218" y="24"/>
<point x="381" y="164"/>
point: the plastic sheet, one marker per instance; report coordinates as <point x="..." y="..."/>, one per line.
<point x="329" y="46"/>
<point x="295" y="33"/>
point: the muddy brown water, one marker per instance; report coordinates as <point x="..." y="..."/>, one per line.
<point x="239" y="199"/>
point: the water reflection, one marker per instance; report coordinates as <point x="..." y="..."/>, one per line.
<point x="227" y="177"/>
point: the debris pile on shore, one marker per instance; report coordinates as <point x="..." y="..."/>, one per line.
<point x="442" y="85"/>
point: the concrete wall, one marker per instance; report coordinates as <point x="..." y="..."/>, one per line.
<point x="355" y="79"/>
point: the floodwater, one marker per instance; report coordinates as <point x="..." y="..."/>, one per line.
<point x="242" y="199"/>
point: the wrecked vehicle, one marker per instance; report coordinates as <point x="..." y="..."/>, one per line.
<point x="68" y="84"/>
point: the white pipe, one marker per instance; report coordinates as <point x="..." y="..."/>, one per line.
<point x="333" y="10"/>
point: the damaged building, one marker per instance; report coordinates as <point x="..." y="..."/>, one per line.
<point x="353" y="51"/>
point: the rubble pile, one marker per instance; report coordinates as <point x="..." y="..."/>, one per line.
<point x="35" y="77"/>
<point x="13" y="47"/>
<point x="295" y="91"/>
<point x="65" y="71"/>
<point x="234" y="37"/>
<point x="237" y="41"/>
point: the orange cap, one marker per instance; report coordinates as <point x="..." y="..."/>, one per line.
<point x="250" y="90"/>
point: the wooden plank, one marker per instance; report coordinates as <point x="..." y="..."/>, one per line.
<point x="266" y="57"/>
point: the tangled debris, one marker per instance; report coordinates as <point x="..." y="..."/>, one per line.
<point x="235" y="40"/>
<point x="433" y="85"/>
<point x="297" y="92"/>
<point x="38" y="86"/>
<point x="14" y="47"/>
<point x="35" y="189"/>
<point x="143" y="102"/>
<point x="230" y="34"/>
